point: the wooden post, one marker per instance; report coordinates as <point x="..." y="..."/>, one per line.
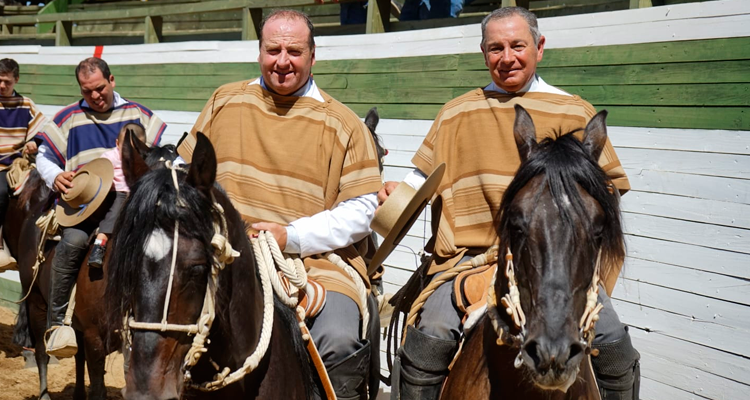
<point x="516" y="3"/>
<point x="152" y="32"/>
<point x="640" y="3"/>
<point x="378" y="16"/>
<point x="63" y="33"/>
<point x="251" y="18"/>
<point x="55" y="6"/>
<point x="7" y="29"/>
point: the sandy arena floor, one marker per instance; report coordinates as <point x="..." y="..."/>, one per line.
<point x="19" y="383"/>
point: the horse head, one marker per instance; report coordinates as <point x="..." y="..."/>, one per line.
<point x="160" y="270"/>
<point x="558" y="217"/>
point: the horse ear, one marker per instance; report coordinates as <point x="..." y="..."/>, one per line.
<point x="202" y="172"/>
<point x="133" y="158"/>
<point x="525" y="133"/>
<point x="595" y="136"/>
<point x="372" y="118"/>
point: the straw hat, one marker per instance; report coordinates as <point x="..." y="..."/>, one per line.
<point x="399" y="212"/>
<point x="91" y="185"/>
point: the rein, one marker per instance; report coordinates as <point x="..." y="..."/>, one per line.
<point x="512" y="303"/>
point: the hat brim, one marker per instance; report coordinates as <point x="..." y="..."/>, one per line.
<point x="407" y="217"/>
<point x="70" y="216"/>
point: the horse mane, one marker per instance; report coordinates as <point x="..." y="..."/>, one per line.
<point x="564" y="163"/>
<point x="35" y="190"/>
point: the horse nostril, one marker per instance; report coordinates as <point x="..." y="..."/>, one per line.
<point x="532" y="351"/>
<point x="576" y="349"/>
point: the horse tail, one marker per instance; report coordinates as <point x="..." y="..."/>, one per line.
<point x="21" y="330"/>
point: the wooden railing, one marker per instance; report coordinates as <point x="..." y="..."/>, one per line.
<point x="379" y="17"/>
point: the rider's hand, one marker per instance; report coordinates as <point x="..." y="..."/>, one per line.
<point x="278" y="232"/>
<point x="386" y="191"/>
<point x="64" y="181"/>
<point x="30" y="148"/>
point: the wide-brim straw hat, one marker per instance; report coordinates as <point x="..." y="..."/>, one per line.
<point x="91" y="185"/>
<point x="398" y="213"/>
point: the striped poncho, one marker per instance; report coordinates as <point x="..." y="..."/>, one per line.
<point x="20" y="121"/>
<point x="281" y="158"/>
<point x="473" y="135"/>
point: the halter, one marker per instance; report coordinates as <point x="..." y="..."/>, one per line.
<point x="223" y="255"/>
<point x="512" y="303"/>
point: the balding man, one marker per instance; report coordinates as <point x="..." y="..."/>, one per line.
<point x="301" y="165"/>
<point x="512" y="48"/>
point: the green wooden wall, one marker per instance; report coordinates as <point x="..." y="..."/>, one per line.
<point x="702" y="84"/>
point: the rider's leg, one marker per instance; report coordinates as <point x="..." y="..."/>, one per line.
<point x="617" y="368"/>
<point x="63" y="274"/>
<point x="423" y="360"/>
<point x="106" y="227"/>
<point x="6" y="260"/>
<point x="336" y="332"/>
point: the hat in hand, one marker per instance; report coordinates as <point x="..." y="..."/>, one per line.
<point x="91" y="185"/>
<point x="398" y="213"/>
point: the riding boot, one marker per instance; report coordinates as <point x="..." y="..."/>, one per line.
<point x="7" y="262"/>
<point x="60" y="340"/>
<point x="617" y="370"/>
<point x="421" y="366"/>
<point x="349" y="376"/>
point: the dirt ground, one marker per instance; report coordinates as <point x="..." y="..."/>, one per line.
<point x="19" y="383"/>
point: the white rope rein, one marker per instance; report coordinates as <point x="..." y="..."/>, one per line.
<point x="361" y="289"/>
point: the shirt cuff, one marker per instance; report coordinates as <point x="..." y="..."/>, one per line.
<point x="292" y="240"/>
<point x="415" y="179"/>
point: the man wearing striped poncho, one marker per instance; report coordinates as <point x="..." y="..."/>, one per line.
<point x="301" y="165"/>
<point x="473" y="135"/>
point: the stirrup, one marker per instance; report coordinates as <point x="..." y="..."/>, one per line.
<point x="60" y="341"/>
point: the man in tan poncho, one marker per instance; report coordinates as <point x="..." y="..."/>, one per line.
<point x="301" y="165"/>
<point x="473" y="135"/>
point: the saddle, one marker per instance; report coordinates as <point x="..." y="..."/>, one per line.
<point x="470" y="288"/>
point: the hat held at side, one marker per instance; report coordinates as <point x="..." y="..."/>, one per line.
<point x="398" y="213"/>
<point x="91" y="185"/>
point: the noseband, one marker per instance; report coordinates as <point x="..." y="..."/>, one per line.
<point x="512" y="303"/>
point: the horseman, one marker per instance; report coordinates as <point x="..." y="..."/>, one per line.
<point x="301" y="165"/>
<point x="473" y="135"/>
<point x="19" y="124"/>
<point x="80" y="133"/>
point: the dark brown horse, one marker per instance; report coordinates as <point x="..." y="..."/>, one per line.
<point x="557" y="217"/>
<point x="139" y="279"/>
<point x="94" y="341"/>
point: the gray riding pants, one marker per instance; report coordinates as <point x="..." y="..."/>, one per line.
<point x="336" y="328"/>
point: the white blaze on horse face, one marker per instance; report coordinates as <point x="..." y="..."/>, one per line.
<point x="157" y="245"/>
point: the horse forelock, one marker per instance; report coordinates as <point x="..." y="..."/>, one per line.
<point x="565" y="165"/>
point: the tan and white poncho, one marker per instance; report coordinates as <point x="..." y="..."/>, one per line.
<point x="281" y="158"/>
<point x="473" y="135"/>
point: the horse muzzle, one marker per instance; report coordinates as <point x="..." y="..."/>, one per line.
<point x="553" y="365"/>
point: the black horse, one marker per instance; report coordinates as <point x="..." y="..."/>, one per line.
<point x="557" y="217"/>
<point x="139" y="273"/>
<point x="94" y="341"/>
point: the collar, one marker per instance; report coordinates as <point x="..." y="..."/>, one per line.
<point x="537" y="84"/>
<point x="118" y="101"/>
<point x="310" y="89"/>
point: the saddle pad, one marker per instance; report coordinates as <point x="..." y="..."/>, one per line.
<point x="471" y="287"/>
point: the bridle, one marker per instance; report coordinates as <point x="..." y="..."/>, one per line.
<point x="223" y="255"/>
<point x="511" y="301"/>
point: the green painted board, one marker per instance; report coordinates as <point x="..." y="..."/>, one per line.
<point x="712" y="94"/>
<point x="731" y="118"/>
<point x="642" y="53"/>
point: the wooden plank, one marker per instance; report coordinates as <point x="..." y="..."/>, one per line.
<point x="251" y="19"/>
<point x="705" y="235"/>
<point x="688" y="304"/>
<point x="655" y="390"/>
<point x="437" y="96"/>
<point x="63" y="33"/>
<point x="710" y="164"/>
<point x="714" y="212"/>
<point x="712" y="94"/>
<point x="406" y="111"/>
<point x="153" y="29"/>
<point x="710" y="335"/>
<point x="704" y="359"/>
<point x="705" y="141"/>
<point x="715" y="286"/>
<point x="388" y="65"/>
<point x="679" y="117"/>
<point x="378" y="16"/>
<point x="685" y="255"/>
<point x="705" y="187"/>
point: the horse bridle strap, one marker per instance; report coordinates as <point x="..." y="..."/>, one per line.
<point x="512" y="303"/>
